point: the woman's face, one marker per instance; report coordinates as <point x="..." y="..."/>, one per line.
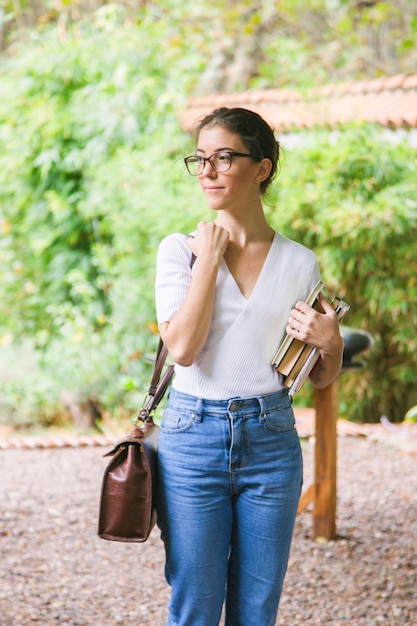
<point x="231" y="189"/>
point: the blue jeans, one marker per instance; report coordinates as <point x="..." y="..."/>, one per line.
<point x="230" y="475"/>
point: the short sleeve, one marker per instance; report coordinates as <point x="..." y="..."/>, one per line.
<point x="173" y="276"/>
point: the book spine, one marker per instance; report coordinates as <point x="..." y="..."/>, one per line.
<point x="291" y="344"/>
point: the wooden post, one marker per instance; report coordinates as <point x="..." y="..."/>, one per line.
<point x="324" y="510"/>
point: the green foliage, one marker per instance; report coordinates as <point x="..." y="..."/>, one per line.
<point x="322" y="41"/>
<point x="352" y="199"/>
<point x="91" y="178"/>
<point x="88" y="180"/>
<point x="294" y="43"/>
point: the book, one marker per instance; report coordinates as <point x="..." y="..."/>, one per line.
<point x="291" y="349"/>
<point x="305" y="355"/>
<point x="295" y="359"/>
<point x="297" y="379"/>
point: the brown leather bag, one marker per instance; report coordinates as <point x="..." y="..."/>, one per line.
<point x="128" y="493"/>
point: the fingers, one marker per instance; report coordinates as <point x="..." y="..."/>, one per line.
<point x="327" y="308"/>
<point x="310" y="325"/>
<point x="305" y="309"/>
<point x="210" y="240"/>
<point x="298" y="320"/>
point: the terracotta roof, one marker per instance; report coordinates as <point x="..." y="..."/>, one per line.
<point x="389" y="101"/>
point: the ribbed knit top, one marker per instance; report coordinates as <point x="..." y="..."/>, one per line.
<point x="245" y="332"/>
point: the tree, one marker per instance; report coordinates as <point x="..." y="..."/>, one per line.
<point x="91" y="178"/>
<point x="258" y="42"/>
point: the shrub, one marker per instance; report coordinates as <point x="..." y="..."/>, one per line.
<point x="91" y="178"/>
<point x="353" y="201"/>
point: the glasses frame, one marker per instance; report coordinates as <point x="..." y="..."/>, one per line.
<point x="195" y="158"/>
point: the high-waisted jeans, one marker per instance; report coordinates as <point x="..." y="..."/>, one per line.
<point x="230" y="475"/>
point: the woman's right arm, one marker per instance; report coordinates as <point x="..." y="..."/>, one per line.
<point x="186" y="333"/>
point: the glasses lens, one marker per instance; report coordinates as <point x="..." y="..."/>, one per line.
<point x="194" y="165"/>
<point x="221" y="161"/>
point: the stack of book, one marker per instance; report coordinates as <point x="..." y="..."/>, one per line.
<point x="294" y="358"/>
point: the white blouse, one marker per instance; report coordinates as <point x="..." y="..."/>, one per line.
<point x="245" y="332"/>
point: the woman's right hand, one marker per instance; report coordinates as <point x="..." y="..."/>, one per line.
<point x="209" y="242"/>
<point x="187" y="332"/>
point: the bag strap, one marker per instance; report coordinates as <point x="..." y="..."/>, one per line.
<point x="158" y="385"/>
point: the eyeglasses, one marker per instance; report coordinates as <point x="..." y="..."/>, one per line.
<point x="219" y="161"/>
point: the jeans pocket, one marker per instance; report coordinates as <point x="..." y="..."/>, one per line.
<point x="176" y="421"/>
<point x="280" y="419"/>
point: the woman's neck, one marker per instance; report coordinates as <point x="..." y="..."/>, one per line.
<point x="244" y="229"/>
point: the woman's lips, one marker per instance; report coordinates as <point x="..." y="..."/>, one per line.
<point x="211" y="188"/>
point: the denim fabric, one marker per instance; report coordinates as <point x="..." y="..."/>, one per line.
<point x="230" y="475"/>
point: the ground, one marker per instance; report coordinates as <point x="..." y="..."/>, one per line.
<point x="56" y="571"/>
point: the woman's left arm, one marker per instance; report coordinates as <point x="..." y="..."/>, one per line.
<point x="322" y="331"/>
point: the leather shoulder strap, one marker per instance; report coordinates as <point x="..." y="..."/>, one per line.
<point x="158" y="385"/>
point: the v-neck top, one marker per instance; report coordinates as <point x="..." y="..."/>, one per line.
<point x="245" y="332"/>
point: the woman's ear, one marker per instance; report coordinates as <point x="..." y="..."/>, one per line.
<point x="265" y="167"/>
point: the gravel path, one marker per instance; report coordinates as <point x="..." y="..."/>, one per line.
<point x="55" y="570"/>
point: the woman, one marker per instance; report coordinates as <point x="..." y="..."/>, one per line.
<point x="230" y="459"/>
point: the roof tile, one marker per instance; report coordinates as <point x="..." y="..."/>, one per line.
<point x="390" y="101"/>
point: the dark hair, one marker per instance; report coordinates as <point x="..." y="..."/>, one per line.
<point x="256" y="134"/>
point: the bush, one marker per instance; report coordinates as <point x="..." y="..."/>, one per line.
<point x="91" y="178"/>
<point x="353" y="201"/>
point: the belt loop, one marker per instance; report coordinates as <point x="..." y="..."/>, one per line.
<point x="262" y="405"/>
<point x="198" y="408"/>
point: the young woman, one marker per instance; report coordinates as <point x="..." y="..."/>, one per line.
<point x="230" y="463"/>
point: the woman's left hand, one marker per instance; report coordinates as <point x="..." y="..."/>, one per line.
<point x="322" y="331"/>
